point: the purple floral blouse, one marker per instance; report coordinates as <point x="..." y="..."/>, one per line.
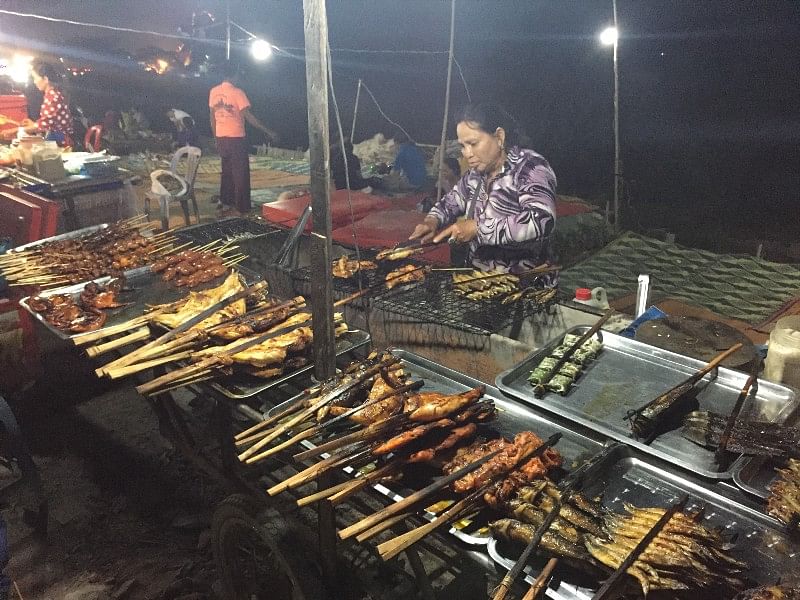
<point x="515" y="213"/>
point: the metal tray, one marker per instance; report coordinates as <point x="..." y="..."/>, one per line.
<point x="147" y="288"/>
<point x="230" y="229"/>
<point x="70" y="235"/>
<point x="242" y="386"/>
<point x="622" y="477"/>
<point x="628" y="374"/>
<point x="576" y="445"/>
<point x="754" y="474"/>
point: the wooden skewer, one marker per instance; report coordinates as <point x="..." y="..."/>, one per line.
<point x="236" y="261"/>
<point x="372" y="431"/>
<point x="382" y="526"/>
<point x="541" y="580"/>
<point x="299" y="437"/>
<point x="292" y="408"/>
<point x="395" y="546"/>
<point x="202" y="376"/>
<point x="361" y="482"/>
<point x="116" y="373"/>
<point x="140" y="334"/>
<point x="322" y="494"/>
<point x="155" y="386"/>
<point x="114" y="329"/>
<point x="412" y="499"/>
<point x="310" y="473"/>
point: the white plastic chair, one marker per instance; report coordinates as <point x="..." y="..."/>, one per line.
<point x="186" y="180"/>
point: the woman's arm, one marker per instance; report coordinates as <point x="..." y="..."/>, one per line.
<point x="453" y="204"/>
<point x="536" y="218"/>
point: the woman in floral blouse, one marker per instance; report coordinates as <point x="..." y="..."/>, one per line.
<point x="55" y="118"/>
<point x="505" y="206"/>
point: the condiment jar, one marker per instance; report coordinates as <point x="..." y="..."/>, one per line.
<point x="596" y="297"/>
<point x="783" y="356"/>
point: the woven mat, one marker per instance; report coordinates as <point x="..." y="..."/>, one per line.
<point x="737" y="287"/>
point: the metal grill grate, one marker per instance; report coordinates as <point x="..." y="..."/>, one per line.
<point x="434" y="301"/>
<point x="236" y="228"/>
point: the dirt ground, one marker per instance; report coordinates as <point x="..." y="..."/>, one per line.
<point x="129" y="518"/>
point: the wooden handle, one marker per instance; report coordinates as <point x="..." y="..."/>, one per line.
<point x="541" y="580"/>
<point x="137" y="336"/>
<point x="303" y="435"/>
<point x="714" y="362"/>
<point x="322" y="494"/>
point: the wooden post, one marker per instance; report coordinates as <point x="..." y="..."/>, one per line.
<point x="443" y="141"/>
<point x="315" y="23"/>
<point x="316" y="38"/>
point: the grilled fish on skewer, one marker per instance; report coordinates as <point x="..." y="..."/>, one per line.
<point x="398" y="253"/>
<point x="784" y="500"/>
<point x="429" y="406"/>
<point x="403" y="275"/>
<point x="345" y="267"/>
<point x="747" y="437"/>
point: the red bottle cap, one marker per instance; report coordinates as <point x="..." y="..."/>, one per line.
<point x="583" y="294"/>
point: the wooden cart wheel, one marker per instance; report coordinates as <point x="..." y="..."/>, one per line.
<point x="250" y="561"/>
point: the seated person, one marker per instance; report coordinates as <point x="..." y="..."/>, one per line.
<point x="410" y="162"/>
<point x="353" y="170"/>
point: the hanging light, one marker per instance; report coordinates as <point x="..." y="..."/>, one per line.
<point x="609" y="36"/>
<point x="260" y="49"/>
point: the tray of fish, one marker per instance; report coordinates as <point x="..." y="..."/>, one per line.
<point x="576" y="444"/>
<point x="629" y="489"/>
<point x="755" y="474"/>
<point x="241" y="386"/>
<point x="69" y="235"/>
<point x="627" y="374"/>
<point x="140" y="289"/>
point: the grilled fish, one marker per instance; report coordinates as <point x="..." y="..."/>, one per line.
<point x="516" y="531"/>
<point x="747" y="437"/>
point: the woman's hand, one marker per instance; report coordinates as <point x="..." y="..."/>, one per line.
<point x="425" y="231"/>
<point x="461" y="231"/>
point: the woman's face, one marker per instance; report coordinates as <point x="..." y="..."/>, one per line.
<point x="39" y="81"/>
<point x="483" y="151"/>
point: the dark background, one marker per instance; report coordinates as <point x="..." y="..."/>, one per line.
<point x="710" y="126"/>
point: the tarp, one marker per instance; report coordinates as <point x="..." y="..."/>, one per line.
<point x="739" y="287"/>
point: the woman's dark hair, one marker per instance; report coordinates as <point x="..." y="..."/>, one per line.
<point x="44" y="69"/>
<point x="488" y="117"/>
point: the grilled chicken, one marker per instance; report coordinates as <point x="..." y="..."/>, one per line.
<point x="345" y="267"/>
<point x="455" y="436"/>
<point x="430" y="406"/>
<point x="403" y="275"/>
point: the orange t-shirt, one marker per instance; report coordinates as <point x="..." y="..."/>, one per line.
<point x="227" y="101"/>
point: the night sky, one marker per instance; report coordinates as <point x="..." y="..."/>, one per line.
<point x="710" y="124"/>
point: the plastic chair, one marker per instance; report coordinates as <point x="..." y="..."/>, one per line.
<point x="93" y="140"/>
<point x="186" y="179"/>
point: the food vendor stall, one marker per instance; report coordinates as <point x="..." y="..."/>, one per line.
<point x="589" y="414"/>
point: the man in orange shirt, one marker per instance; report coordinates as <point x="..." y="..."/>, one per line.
<point x="229" y="108"/>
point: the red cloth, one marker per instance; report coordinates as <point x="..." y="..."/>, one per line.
<point x="566" y="208"/>
<point x="387" y="228"/>
<point x="286" y="212"/>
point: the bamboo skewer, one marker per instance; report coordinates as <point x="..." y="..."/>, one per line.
<point x="382" y="526"/>
<point x="293" y="407"/>
<point x="140" y="334"/>
<point x="115" y="329"/>
<point x="305" y="413"/>
<point x="332" y="462"/>
<point x="127" y="370"/>
<point x="372" y="431"/>
<point x="361" y="482"/>
<point x="322" y="494"/>
<point x="541" y="580"/>
<point x="395" y="546"/>
<point x="316" y="429"/>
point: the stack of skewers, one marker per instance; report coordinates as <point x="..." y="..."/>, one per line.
<point x="106" y="252"/>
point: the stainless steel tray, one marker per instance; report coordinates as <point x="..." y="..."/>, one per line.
<point x="70" y="235"/>
<point x="576" y="444"/>
<point x="622" y="477"/>
<point x="242" y="386"/>
<point x="626" y="375"/>
<point x="754" y="474"/>
<point x="147" y="288"/>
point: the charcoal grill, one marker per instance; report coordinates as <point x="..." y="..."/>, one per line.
<point x="235" y="228"/>
<point x="435" y="301"/>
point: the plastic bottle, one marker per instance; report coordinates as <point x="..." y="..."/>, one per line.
<point x="783" y="356"/>
<point x="596" y="297"/>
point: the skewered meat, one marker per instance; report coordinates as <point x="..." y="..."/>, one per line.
<point x="100" y="297"/>
<point x="535" y="468"/>
<point x="482" y="285"/>
<point x="251" y="325"/>
<point x="403" y="275"/>
<point x="771" y="592"/>
<point x="395" y="443"/>
<point x="506" y="461"/>
<point x="190" y="267"/>
<point x="454" y="437"/>
<point x="397" y="253"/>
<point x="63" y="312"/>
<point x="345" y="267"/>
<point x="429" y="406"/>
<point x="196" y="302"/>
<point x="384" y="383"/>
<point x="747" y="437"/>
<point x="784" y="499"/>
